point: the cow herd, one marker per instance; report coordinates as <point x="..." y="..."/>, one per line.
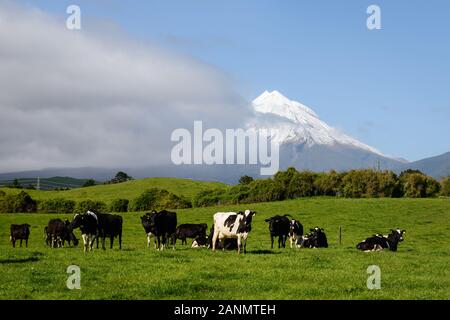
<point x="230" y="231"/>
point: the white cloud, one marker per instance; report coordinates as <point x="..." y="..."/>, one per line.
<point x="84" y="98"/>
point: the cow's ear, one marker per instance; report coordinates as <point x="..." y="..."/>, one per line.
<point x="253" y="213"/>
<point x="267" y="220"/>
<point x="403" y="231"/>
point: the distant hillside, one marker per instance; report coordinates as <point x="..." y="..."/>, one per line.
<point x="436" y="167"/>
<point x="46" y="183"/>
<point x="127" y="190"/>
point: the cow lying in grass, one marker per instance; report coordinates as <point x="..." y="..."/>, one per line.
<point x="315" y="239"/>
<point x="380" y="242"/>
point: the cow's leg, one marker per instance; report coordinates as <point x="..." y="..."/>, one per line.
<point x="148" y="240"/>
<point x="26" y="242"/>
<point x="214" y="239"/>
<point x="83" y="236"/>
<point x="271" y="239"/>
<point x="174" y="240"/>
<point x="13" y="241"/>
<point x="104" y="242"/>
<point x="239" y="244"/>
<point x="111" y="242"/>
<point x="120" y="240"/>
<point x="245" y="245"/>
<point x="21" y="243"/>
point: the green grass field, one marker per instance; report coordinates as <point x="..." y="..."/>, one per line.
<point x="419" y="270"/>
<point x="126" y="190"/>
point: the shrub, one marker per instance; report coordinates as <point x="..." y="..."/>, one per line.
<point x="158" y="199"/>
<point x="445" y="186"/>
<point x="328" y="184"/>
<point x="119" y="205"/>
<point x="301" y="185"/>
<point x="418" y="185"/>
<point x="58" y="205"/>
<point x="15" y="203"/>
<point x="91" y="205"/>
<point x="208" y="198"/>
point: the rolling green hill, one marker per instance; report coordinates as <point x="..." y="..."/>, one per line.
<point x="126" y="190"/>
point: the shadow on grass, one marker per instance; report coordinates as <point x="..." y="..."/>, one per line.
<point x="22" y="260"/>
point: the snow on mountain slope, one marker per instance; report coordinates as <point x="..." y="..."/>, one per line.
<point x="292" y="122"/>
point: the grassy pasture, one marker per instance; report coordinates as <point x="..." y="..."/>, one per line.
<point x="126" y="190"/>
<point x="419" y="270"/>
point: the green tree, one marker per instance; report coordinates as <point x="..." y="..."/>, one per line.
<point x="244" y="180"/>
<point x="445" y="186"/>
<point x="89" y="183"/>
<point x="121" y="177"/>
<point x="302" y="185"/>
<point x="15" y="184"/>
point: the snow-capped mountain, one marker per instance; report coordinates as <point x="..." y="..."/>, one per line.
<point x="300" y="124"/>
<point x="308" y="142"/>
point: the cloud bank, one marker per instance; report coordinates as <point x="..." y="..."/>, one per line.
<point x="84" y="98"/>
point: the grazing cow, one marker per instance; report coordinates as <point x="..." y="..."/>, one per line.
<point x="161" y="225"/>
<point x="295" y="231"/>
<point x="380" y="242"/>
<point x="316" y="239"/>
<point x="109" y="225"/>
<point x="57" y="232"/>
<point x="279" y="227"/>
<point x="88" y="224"/>
<point x="19" y="232"/>
<point x="189" y="230"/>
<point x="228" y="243"/>
<point x="232" y="225"/>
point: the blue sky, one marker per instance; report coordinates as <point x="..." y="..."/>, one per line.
<point x="389" y="88"/>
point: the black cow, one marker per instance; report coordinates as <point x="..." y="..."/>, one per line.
<point x="109" y="225"/>
<point x="88" y="224"/>
<point x="228" y="243"/>
<point x="189" y="230"/>
<point x="57" y="232"/>
<point x="161" y="225"/>
<point x="19" y="232"/>
<point x="315" y="239"/>
<point x="295" y="232"/>
<point x="279" y="226"/>
<point x="380" y="242"/>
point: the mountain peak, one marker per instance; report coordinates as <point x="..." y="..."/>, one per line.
<point x="299" y="124"/>
<point x="276" y="103"/>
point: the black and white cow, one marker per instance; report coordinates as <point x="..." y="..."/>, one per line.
<point x="279" y="227"/>
<point x="19" y="232"/>
<point x="109" y="225"/>
<point x="161" y="225"/>
<point x="57" y="232"/>
<point x="232" y="225"/>
<point x="88" y="224"/>
<point x="228" y="243"/>
<point x="189" y="230"/>
<point x="380" y="242"/>
<point x="295" y="232"/>
<point x="315" y="239"/>
<point x="199" y="242"/>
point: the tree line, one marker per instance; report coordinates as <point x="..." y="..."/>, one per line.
<point x="289" y="184"/>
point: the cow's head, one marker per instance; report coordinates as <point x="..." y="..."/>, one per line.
<point x="274" y="223"/>
<point x="396" y="235"/>
<point x="76" y="222"/>
<point x="245" y="224"/>
<point x="293" y="227"/>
